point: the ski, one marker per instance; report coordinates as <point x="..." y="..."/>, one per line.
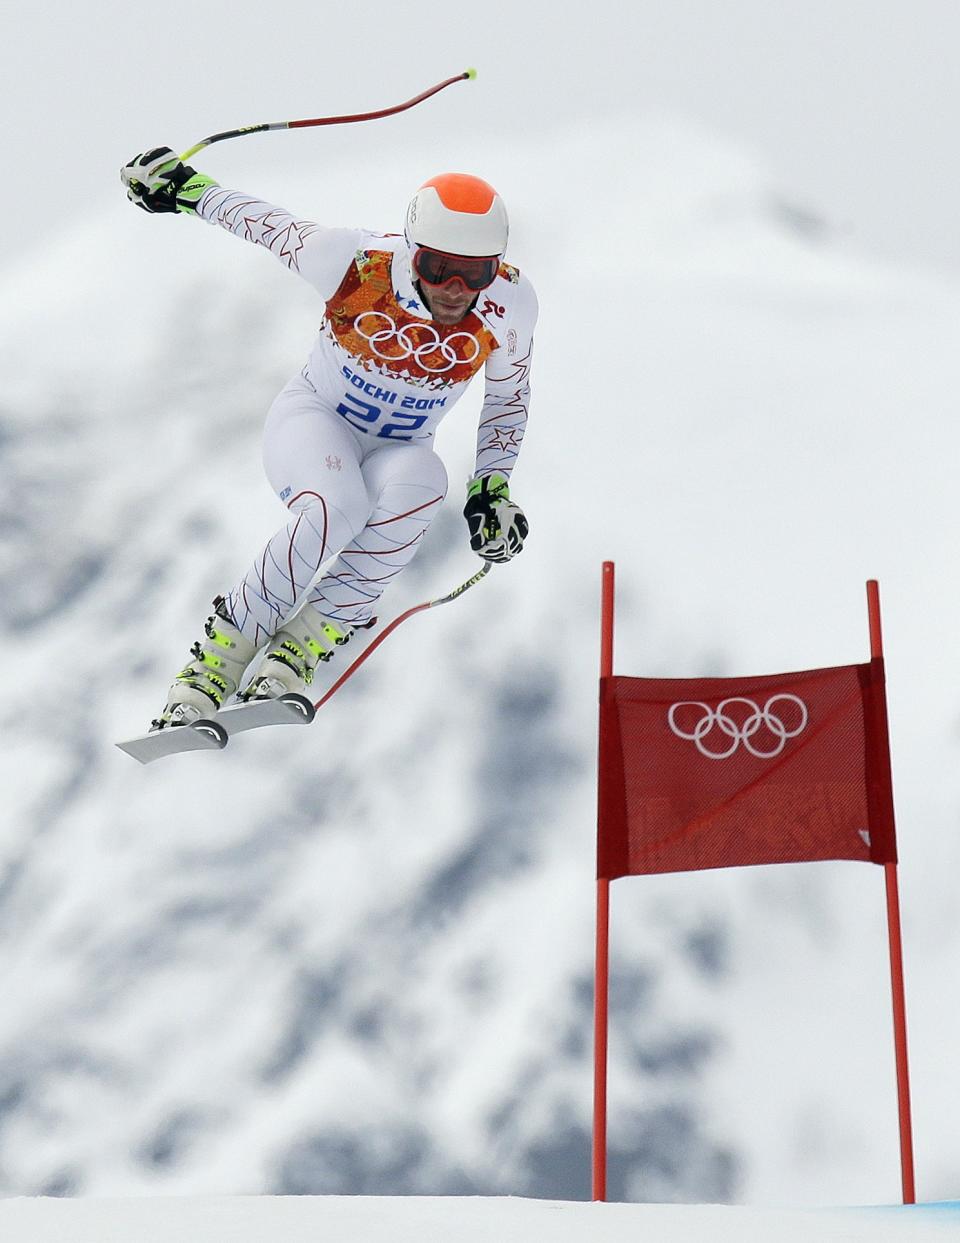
<point x="202" y="735"/>
<point x="209" y="735"/>
<point x="288" y="709"/>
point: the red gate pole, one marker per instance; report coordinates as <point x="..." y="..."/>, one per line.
<point x="602" y="969"/>
<point x="896" y="957"/>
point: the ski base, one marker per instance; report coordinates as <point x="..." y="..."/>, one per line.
<point x="289" y="709"/>
<point x="202" y="735"/>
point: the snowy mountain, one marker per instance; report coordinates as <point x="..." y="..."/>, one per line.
<point x="358" y="958"/>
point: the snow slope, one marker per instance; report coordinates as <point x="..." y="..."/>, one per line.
<point x="412" y="1219"/>
<point x="358" y="959"/>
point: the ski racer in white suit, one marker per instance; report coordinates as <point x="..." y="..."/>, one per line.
<point x="348" y="445"/>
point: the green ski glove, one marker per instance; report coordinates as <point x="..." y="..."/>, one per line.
<point x="498" y="527"/>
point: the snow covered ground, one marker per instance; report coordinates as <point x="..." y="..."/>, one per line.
<point x="411" y="1219"/>
<point x="358" y="960"/>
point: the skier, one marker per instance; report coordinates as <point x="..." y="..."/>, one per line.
<point x="348" y="444"/>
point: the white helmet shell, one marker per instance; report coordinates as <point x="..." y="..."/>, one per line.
<point x="459" y="214"/>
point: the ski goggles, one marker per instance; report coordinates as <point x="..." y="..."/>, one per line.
<point x="435" y="267"/>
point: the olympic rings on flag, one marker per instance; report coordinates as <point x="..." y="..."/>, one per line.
<point x="406" y="339"/>
<point x="738" y="732"/>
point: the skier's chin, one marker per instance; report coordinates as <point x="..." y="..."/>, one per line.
<point x="451" y="312"/>
<point x="447" y="315"/>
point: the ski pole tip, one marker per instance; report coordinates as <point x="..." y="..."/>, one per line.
<point x="470" y="74"/>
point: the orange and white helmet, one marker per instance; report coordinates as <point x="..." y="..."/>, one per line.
<point x="458" y="214"/>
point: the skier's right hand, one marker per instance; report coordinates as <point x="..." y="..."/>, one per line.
<point x="158" y="181"/>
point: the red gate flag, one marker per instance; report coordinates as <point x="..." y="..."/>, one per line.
<point x="726" y="772"/>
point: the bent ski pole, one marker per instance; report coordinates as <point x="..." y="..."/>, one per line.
<point x="417" y="608"/>
<point x="344" y="120"/>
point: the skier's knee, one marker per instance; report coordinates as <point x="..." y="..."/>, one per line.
<point x="329" y="514"/>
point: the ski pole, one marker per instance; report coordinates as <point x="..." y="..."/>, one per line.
<point x="344" y="120"/>
<point x="417" y="608"/>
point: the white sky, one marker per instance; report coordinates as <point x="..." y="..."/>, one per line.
<point x="851" y="105"/>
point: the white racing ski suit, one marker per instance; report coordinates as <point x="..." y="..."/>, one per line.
<point x="348" y="445"/>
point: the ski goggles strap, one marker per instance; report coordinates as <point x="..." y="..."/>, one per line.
<point x="436" y="267"/>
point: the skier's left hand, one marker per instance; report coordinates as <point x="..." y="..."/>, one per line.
<point x="498" y="527"/>
<point x="158" y="181"/>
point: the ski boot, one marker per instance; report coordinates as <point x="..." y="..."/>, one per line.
<point x="294" y="653"/>
<point x="203" y="686"/>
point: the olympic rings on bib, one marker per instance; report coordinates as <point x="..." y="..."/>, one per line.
<point x="407" y="345"/>
<point x="738" y="732"/>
